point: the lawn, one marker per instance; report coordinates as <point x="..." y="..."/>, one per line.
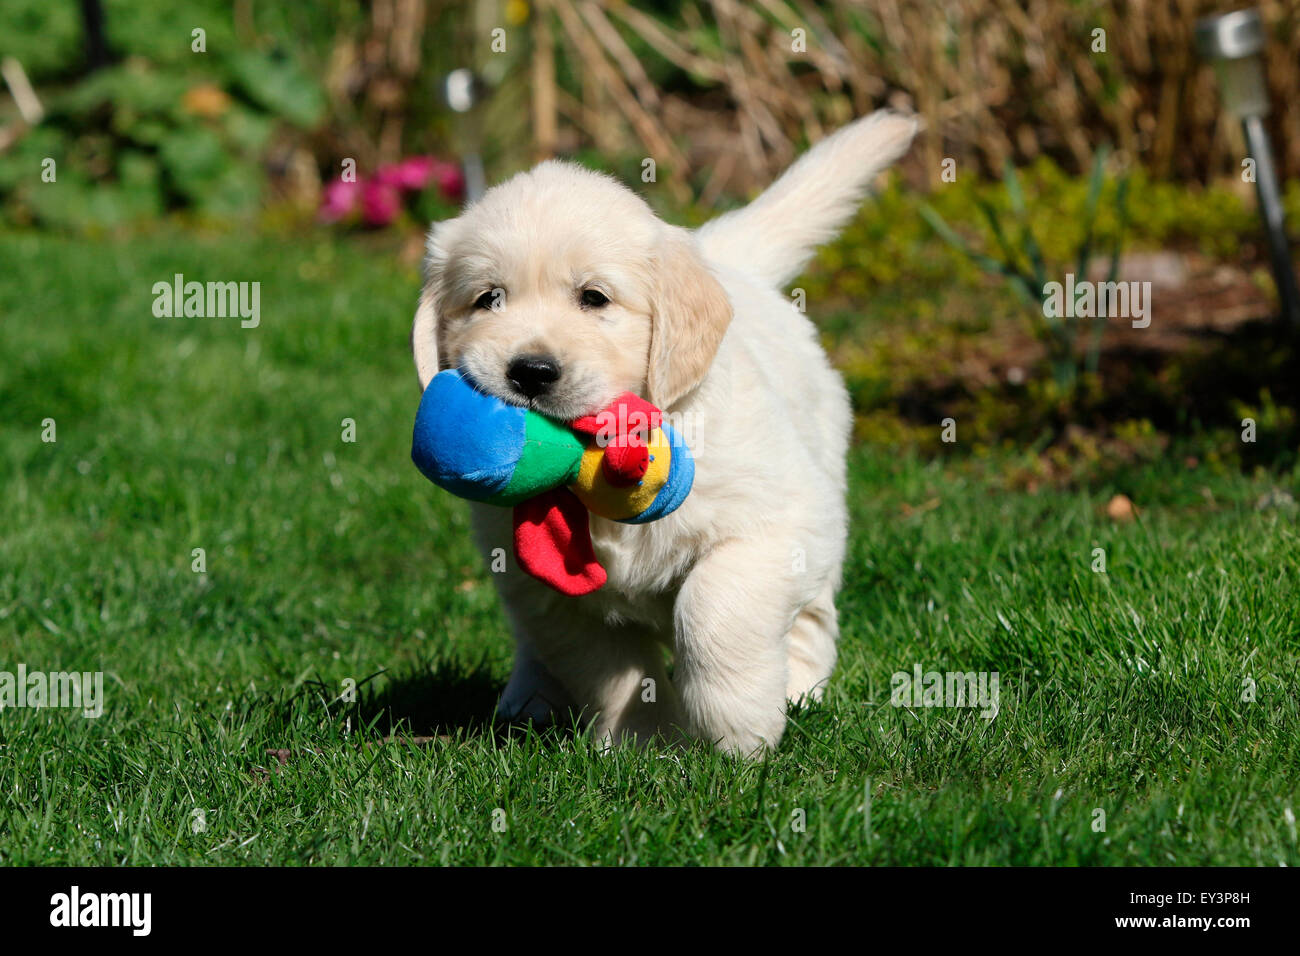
<point x="1162" y="693"/>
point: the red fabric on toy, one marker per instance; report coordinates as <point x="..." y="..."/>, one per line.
<point x="552" y="530"/>
<point x="629" y="413"/>
<point x="625" y="465"/>
<point x="553" y="543"/>
<point x="624" y="426"/>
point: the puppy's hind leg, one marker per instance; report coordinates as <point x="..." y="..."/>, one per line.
<point x="812" y="648"/>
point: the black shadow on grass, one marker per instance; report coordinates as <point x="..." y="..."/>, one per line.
<point x="447" y="700"/>
<point x="444" y="700"/>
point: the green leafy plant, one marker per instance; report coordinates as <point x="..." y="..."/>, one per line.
<point x="158" y="126"/>
<point x="1020" y="261"/>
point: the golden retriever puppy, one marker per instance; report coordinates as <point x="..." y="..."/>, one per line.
<point x="560" y="289"/>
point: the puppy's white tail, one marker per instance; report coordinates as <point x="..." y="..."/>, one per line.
<point x="773" y="237"/>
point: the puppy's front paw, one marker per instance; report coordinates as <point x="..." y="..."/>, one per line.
<point x="536" y="709"/>
<point x="534" y="696"/>
<point x="748" y="732"/>
<point x="748" y="745"/>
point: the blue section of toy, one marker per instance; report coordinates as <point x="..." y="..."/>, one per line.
<point x="466" y="441"/>
<point x="681" y="475"/>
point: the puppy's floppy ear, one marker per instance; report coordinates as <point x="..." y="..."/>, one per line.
<point x="690" y="315"/>
<point x="424" y="333"/>
<point x="424" y="339"/>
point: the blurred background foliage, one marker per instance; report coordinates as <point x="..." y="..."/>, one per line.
<point x="721" y="94"/>
<point x="248" y="124"/>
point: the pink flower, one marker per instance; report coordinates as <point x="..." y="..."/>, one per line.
<point x="450" y="179"/>
<point x="380" y="203"/>
<point x="339" y="199"/>
<point x="413" y="173"/>
<point x="380" y="196"/>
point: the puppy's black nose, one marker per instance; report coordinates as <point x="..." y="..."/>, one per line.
<point x="533" y="374"/>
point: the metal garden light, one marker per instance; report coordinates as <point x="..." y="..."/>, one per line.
<point x="463" y="91"/>
<point x="1235" y="42"/>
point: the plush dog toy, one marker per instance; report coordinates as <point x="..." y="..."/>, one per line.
<point x="624" y="463"/>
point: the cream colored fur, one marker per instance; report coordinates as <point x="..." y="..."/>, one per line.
<point x="738" y="584"/>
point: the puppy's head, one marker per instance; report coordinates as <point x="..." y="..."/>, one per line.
<point x="560" y="289"/>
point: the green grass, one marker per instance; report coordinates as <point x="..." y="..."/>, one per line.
<point x="329" y="560"/>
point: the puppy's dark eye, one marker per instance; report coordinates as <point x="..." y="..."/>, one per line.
<point x="489" y="300"/>
<point x="594" y="298"/>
